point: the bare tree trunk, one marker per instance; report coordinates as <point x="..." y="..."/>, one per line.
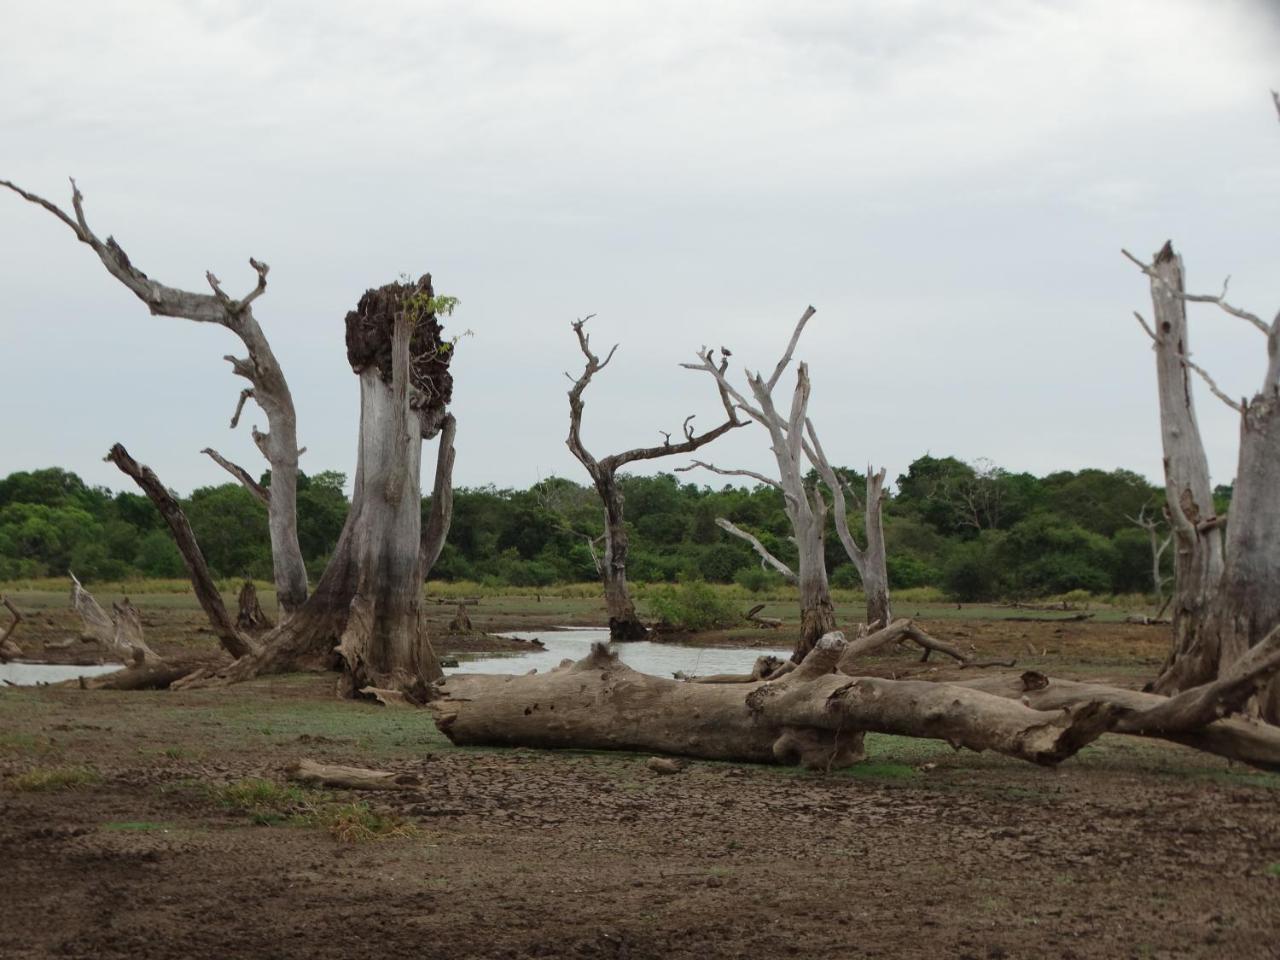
<point x="1198" y="560"/>
<point x="365" y="613"/>
<point x="805" y="506"/>
<point x="624" y="624"/>
<point x="268" y="387"/>
<point x="812" y="716"/>
<point x="233" y="641"/>
<point x="1246" y="606"/>
<point x="870" y="562"/>
<point x="436" y="530"/>
<point x="1221" y="609"/>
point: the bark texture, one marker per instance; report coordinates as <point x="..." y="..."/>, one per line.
<point x="267" y="385"/>
<point x="365" y="613"/>
<point x="624" y="624"/>
<point x="1198" y="557"/>
<point x="1222" y="608"/>
<point x="811" y="717"/>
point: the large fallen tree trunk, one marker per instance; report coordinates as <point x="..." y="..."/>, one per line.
<point x="812" y="716"/>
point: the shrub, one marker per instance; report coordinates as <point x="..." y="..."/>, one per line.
<point x="756" y="579"/>
<point x="692" y="606"/>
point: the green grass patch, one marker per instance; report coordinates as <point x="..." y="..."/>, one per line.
<point x="264" y="801"/>
<point x="51" y="779"/>
<point x="1273" y="870"/>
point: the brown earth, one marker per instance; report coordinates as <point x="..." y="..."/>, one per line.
<point x="1132" y="849"/>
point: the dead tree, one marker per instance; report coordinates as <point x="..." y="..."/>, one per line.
<point x="120" y="634"/>
<point x="624" y="624"/>
<point x="805" y="505"/>
<point x="9" y="648"/>
<point x="267" y="385"/>
<point x="364" y="616"/>
<point x="869" y="561"/>
<point x="1198" y="554"/>
<point x="1218" y="617"/>
<point x="1159" y="545"/>
<point x="233" y="640"/>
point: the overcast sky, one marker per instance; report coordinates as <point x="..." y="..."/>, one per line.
<point x="949" y="184"/>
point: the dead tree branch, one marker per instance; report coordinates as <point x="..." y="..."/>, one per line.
<point x="233" y="641"/>
<point x="268" y="386"/>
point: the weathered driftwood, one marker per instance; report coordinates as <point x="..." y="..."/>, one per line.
<point x="233" y="640"/>
<point x="119" y="635"/>
<point x="752" y="616"/>
<point x="350" y="778"/>
<point x="8" y="646"/>
<point x="267" y="385"/>
<point x="813" y="716"/>
<point x="624" y="623"/>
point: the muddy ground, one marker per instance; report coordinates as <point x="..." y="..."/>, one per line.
<point x="138" y="825"/>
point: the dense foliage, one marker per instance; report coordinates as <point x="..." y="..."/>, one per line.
<point x="974" y="530"/>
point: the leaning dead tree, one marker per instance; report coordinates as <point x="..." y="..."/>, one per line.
<point x="267" y="385"/>
<point x="817" y="714"/>
<point x="235" y="641"/>
<point x="805" y="505"/>
<point x="1223" y="607"/>
<point x="364" y="615"/>
<point x="624" y="624"/>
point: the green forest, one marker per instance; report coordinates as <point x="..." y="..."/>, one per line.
<point x="974" y="531"/>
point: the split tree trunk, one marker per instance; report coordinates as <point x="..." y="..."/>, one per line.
<point x="1246" y="606"/>
<point x="811" y="717"/>
<point x="365" y="613"/>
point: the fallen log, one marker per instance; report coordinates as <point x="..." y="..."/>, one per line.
<point x="350" y="778"/>
<point x="812" y="717"/>
<point x="753" y="616"/>
<point x="1138" y="714"/>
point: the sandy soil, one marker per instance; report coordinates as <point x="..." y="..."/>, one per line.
<point x="1132" y="849"/>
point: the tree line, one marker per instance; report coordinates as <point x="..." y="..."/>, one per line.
<point x="974" y="530"/>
